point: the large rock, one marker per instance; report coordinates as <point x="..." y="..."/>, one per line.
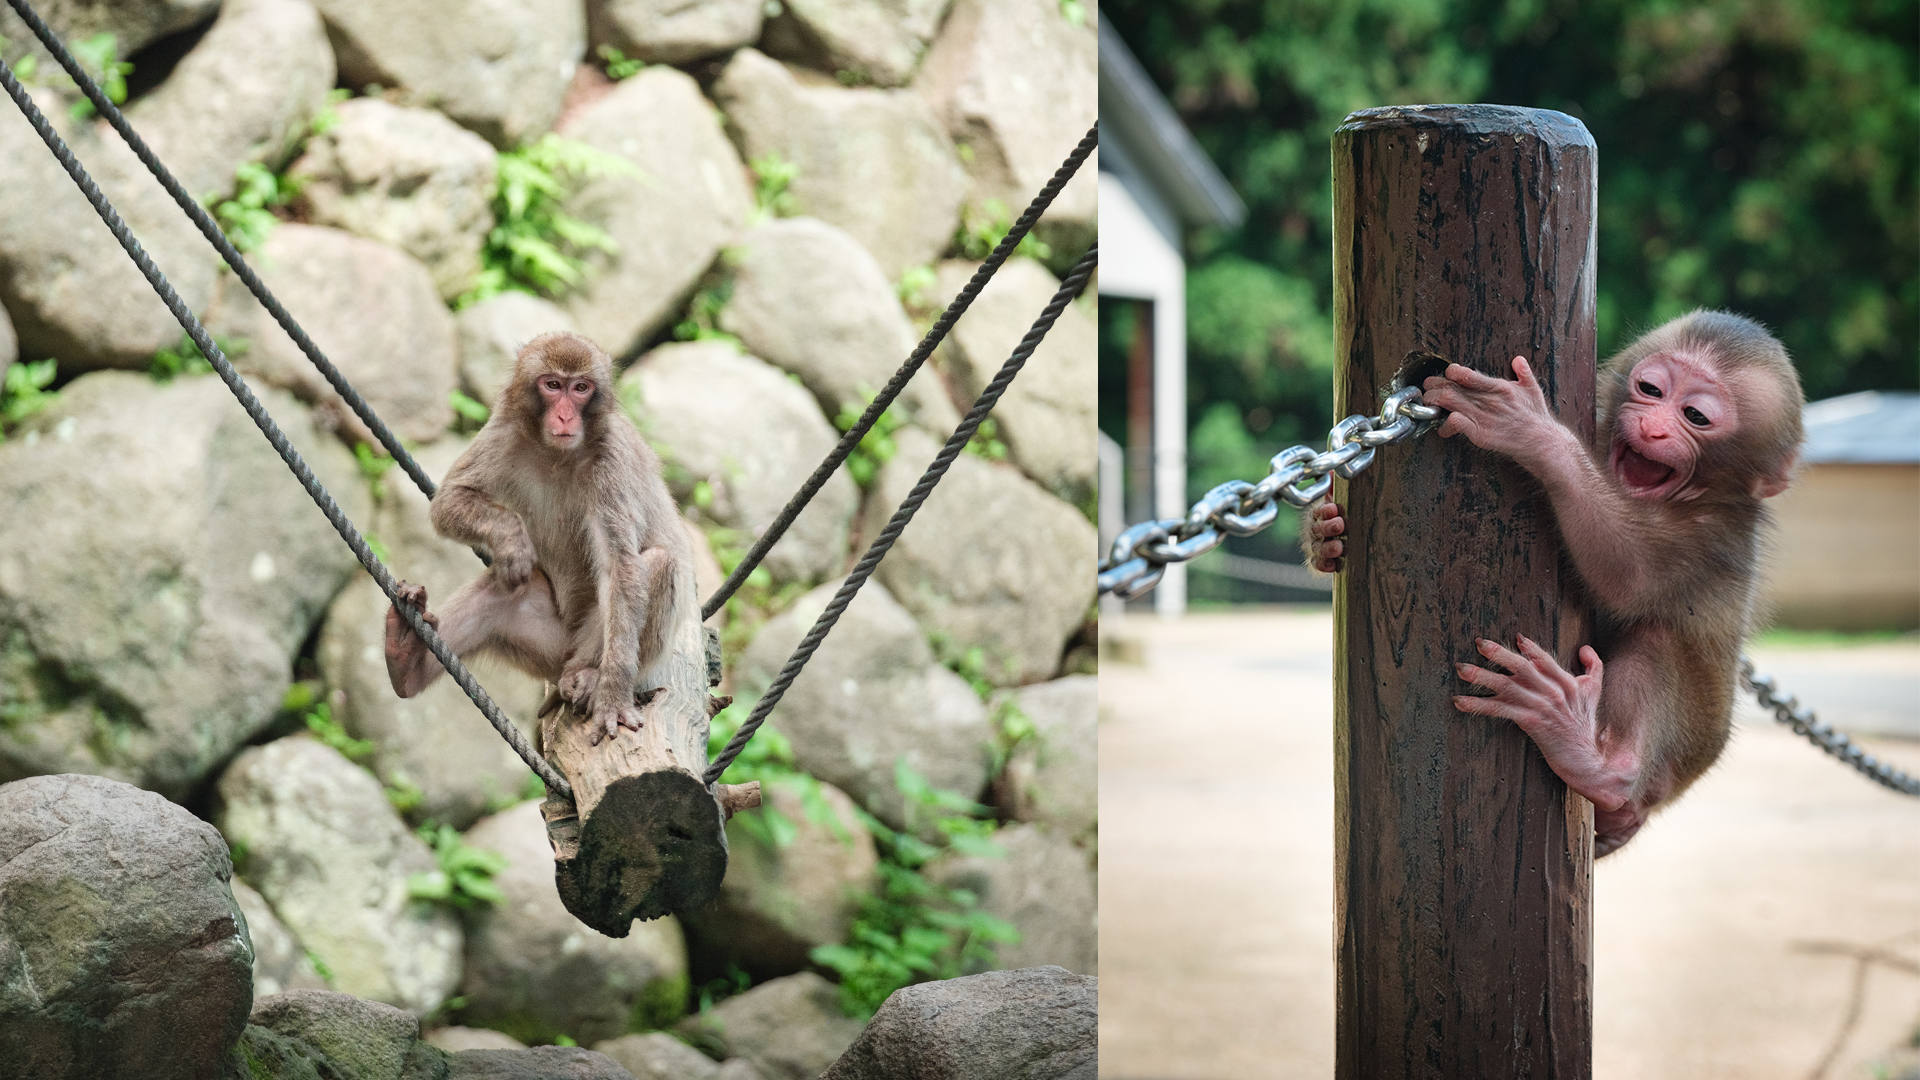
<point x="1047" y="416"/>
<point x="870" y="697"/>
<point x="659" y="1056"/>
<point x="499" y="68"/>
<point x="534" y="1063"/>
<point x="9" y="345"/>
<point x="670" y="217"/>
<point x="122" y="953"/>
<point x="436" y="741"/>
<point x="245" y="93"/>
<point x="877" y="41"/>
<point x="754" y="436"/>
<point x="779" y="901"/>
<point x="673" y="31"/>
<point x="809" y="298"/>
<point x="159" y="569"/>
<point x="788" y="1029"/>
<point x="373" y="310"/>
<point x="261" y="1054"/>
<point x="280" y="962"/>
<point x="536" y="973"/>
<point x="69" y="288"/>
<point x="409" y="178"/>
<point x="876" y="163"/>
<point x="455" y="1039"/>
<point x="333" y="859"/>
<point x="1017" y="84"/>
<point x="1041" y="884"/>
<point x="362" y="1039"/>
<point x="134" y="24"/>
<point x="1054" y="777"/>
<point x="490" y="334"/>
<point x="1034" y="1024"/>
<point x="990" y="560"/>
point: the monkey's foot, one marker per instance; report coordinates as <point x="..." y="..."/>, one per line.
<point x="607" y="722"/>
<point x="406" y="654"/>
<point x="577" y="686"/>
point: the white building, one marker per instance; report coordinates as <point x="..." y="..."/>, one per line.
<point x="1155" y="183"/>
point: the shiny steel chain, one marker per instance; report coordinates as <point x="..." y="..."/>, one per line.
<point x="1790" y="712"/>
<point x="1300" y="474"/>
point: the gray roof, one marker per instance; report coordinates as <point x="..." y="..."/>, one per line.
<point x="1872" y="427"/>
<point x="1133" y="112"/>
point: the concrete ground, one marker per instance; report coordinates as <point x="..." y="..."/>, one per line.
<point x="1726" y="933"/>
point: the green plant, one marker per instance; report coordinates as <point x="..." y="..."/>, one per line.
<point x="186" y="358"/>
<point x="986" y="442"/>
<point x="911" y="929"/>
<point x="876" y="447"/>
<point x="328" y="118"/>
<point x="469" y="413"/>
<point x="768" y="758"/>
<point x="983" y="226"/>
<point x="773" y="177"/>
<point x="968" y="662"/>
<point x="404" y="795"/>
<point x="25" y="390"/>
<point x="757" y="599"/>
<point x="1074" y="11"/>
<point x="320" y="721"/>
<point x="465" y="877"/>
<point x="373" y="464"/>
<point x="1011" y="728"/>
<point x="619" y="65"/>
<point x="320" y="966"/>
<point x="97" y="54"/>
<point x="248" y="218"/>
<point x="703" y="315"/>
<point x="534" y="246"/>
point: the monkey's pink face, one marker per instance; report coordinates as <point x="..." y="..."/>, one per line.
<point x="1676" y="405"/>
<point x="562" y="422"/>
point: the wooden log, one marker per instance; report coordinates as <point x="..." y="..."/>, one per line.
<point x="1463" y="916"/>
<point x="642" y="836"/>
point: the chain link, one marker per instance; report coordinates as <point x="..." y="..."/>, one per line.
<point x="1299" y="476"/>
<point x="1790" y="712"/>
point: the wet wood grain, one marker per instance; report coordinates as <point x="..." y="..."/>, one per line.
<point x="1463" y="920"/>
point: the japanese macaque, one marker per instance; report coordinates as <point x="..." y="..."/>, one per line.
<point x="588" y="552"/>
<point x="1699" y="421"/>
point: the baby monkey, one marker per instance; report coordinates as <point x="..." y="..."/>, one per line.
<point x="1699" y="421"/>
<point x="590" y="563"/>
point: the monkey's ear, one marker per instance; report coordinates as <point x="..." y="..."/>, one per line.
<point x="1767" y="485"/>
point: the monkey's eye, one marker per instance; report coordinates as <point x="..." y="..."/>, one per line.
<point x="1649" y="389"/>
<point x="582" y="387"/>
<point x="1694" y="416"/>
<point x="552" y="384"/>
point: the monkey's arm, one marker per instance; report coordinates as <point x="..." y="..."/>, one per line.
<point x="1616" y="542"/>
<point x="464" y="513"/>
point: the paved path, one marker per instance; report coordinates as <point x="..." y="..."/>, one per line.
<point x="1216" y="884"/>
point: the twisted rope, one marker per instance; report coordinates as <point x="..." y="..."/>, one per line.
<point x="1075" y="280"/>
<point x="211" y="230"/>
<point x="898" y="383"/>
<point x="221" y="365"/>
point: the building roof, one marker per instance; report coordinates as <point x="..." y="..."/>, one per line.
<point x="1153" y="140"/>
<point x="1873" y="427"/>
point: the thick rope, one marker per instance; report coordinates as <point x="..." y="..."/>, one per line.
<point x="1076" y="280"/>
<point x="899" y="381"/>
<point x="272" y="431"/>
<point x="211" y="230"/>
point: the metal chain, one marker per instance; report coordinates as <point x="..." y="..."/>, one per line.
<point x="1790" y="712"/>
<point x="1300" y="475"/>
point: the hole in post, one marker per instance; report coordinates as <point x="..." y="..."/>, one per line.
<point x="1417" y="368"/>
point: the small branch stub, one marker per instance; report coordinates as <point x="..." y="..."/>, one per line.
<point x="737" y="797"/>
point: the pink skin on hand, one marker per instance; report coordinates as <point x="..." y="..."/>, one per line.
<point x="1559" y="711"/>
<point x="1325" y="527"/>
<point x="566" y="400"/>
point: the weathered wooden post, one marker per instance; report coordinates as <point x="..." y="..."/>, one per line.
<point x="1463" y="914"/>
<point x="642" y="835"/>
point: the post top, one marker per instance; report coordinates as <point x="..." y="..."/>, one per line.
<point x="1546" y="125"/>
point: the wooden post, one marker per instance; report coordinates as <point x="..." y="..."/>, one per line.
<point x="1463" y="903"/>
<point x="643" y="834"/>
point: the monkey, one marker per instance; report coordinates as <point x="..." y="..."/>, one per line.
<point x="1699" y="421"/>
<point x="589" y="562"/>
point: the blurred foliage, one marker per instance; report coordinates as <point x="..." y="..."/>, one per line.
<point x="773" y="177"/>
<point x="465" y="877"/>
<point x="618" y="64"/>
<point x="98" y="56"/>
<point x="876" y="447"/>
<point x="24" y="391"/>
<point x="248" y="218"/>
<point x="534" y="246"/>
<point x="1758" y="155"/>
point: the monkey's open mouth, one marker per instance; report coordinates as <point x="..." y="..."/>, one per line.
<point x="1639" y="472"/>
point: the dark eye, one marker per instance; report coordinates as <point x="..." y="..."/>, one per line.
<point x="552" y="384"/>
<point x="1649" y="389"/>
<point x="582" y="387"/>
<point x="1694" y="416"/>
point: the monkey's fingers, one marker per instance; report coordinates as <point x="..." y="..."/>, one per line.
<point x="1592" y="661"/>
<point x="1327" y="566"/>
<point x="1543" y="662"/>
<point x="1327" y="526"/>
<point x="1501" y="655"/>
<point x="1492" y="706"/>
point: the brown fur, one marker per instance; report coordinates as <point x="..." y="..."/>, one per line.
<point x="590" y="562"/>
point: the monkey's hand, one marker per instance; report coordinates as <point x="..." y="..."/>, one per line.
<point x="1507" y="417"/>
<point x="406" y="653"/>
<point x="512" y="556"/>
<point x="1559" y="711"/>
<point x="1325" y="528"/>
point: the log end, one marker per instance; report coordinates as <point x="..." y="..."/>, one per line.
<point x="654" y="844"/>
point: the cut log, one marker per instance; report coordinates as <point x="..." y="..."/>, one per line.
<point x="643" y="835"/>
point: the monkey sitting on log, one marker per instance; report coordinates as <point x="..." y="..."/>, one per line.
<point x="587" y="547"/>
<point x="1699" y="422"/>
